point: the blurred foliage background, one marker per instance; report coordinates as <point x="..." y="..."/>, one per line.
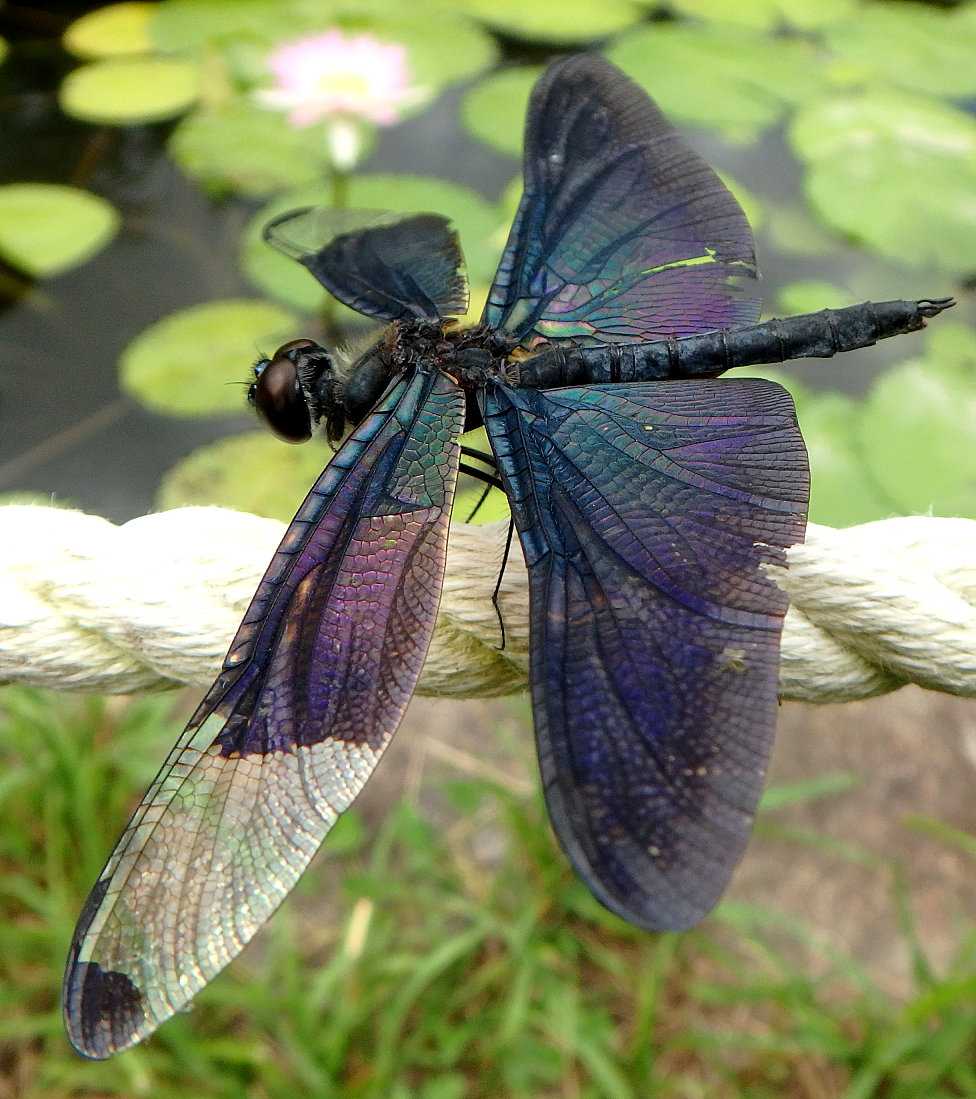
<point x="144" y="145"/>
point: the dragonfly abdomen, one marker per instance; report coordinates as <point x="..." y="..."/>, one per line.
<point x="810" y="335"/>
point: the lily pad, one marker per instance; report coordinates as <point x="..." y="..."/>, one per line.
<point x="4" y="50"/>
<point x="842" y="490"/>
<point x="113" y="31"/>
<point x="286" y="280"/>
<point x="768" y="14"/>
<point x="749" y="201"/>
<point x="442" y="45"/>
<point x="793" y="230"/>
<point x="727" y="80"/>
<point x="244" y="148"/>
<point x="192" y="25"/>
<point x="556" y="21"/>
<point x="918" y="428"/>
<point x="809" y="295"/>
<point x="46" y="228"/>
<point x="493" y="509"/>
<point x="191" y="363"/>
<point x="122" y="92"/>
<point x="895" y="171"/>
<point x="252" y="472"/>
<point x="494" y="110"/>
<point x="912" y="45"/>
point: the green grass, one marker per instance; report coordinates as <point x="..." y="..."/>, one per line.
<point x="408" y="965"/>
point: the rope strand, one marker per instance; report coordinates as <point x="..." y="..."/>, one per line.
<point x="154" y="603"/>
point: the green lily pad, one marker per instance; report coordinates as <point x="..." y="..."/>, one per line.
<point x="4" y="50"/>
<point x="809" y="295"/>
<point x="727" y="80"/>
<point x="191" y="363"/>
<point x="768" y="14"/>
<point x="492" y="510"/>
<point x="913" y="45"/>
<point x="749" y="201"/>
<point x="895" y="171"/>
<point x="252" y="472"/>
<point x="494" y="110"/>
<point x="284" y="279"/>
<point x="556" y="20"/>
<point x="121" y="92"/>
<point x="918" y="428"/>
<point x="113" y="31"/>
<point x="193" y="25"/>
<point x="792" y="230"/>
<point x="246" y="149"/>
<point x="442" y="45"/>
<point x="842" y="490"/>
<point x="46" y="228"/>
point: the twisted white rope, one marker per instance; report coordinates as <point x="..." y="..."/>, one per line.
<point x="154" y="602"/>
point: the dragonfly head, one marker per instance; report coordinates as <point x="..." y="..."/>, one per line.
<point x="293" y="390"/>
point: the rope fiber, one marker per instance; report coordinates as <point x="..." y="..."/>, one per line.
<point x="153" y="603"/>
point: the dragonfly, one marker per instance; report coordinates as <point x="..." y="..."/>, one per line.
<point x="649" y="494"/>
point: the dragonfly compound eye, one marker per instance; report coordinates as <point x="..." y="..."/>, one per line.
<point x="280" y="399"/>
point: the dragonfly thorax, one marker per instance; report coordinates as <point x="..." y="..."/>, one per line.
<point x="301" y="387"/>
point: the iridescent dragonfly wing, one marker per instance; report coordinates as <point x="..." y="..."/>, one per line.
<point x="623" y="233"/>
<point x="312" y="689"/>
<point x="389" y="266"/>
<point x="646" y="512"/>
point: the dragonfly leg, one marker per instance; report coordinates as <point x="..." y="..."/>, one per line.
<point x="479" y="455"/>
<point x="481" y="500"/>
<point x="480" y="475"/>
<point x="498" y="583"/>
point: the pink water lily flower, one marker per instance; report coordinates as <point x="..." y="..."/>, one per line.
<point x="331" y="76"/>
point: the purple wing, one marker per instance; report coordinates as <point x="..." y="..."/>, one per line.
<point x="645" y="513"/>
<point x="312" y="690"/>
<point x="623" y="233"/>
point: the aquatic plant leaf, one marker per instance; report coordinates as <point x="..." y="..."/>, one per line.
<point x="494" y="110"/>
<point x="117" y="30"/>
<point x="894" y="171"/>
<point x="47" y="228"/>
<point x="767" y="15"/>
<point x="247" y="149"/>
<point x="186" y="363"/>
<point x="119" y="92"/>
<point x="809" y="295"/>
<point x="918" y="46"/>
<point x="252" y="472"/>
<point x="556" y="21"/>
<point x="443" y="45"/>
<point x="930" y="402"/>
<point x="752" y="80"/>
<point x="843" y="491"/>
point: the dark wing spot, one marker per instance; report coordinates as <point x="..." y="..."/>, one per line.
<point x="105" y="1010"/>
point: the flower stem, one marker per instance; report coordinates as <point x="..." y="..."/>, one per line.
<point x="339" y="181"/>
